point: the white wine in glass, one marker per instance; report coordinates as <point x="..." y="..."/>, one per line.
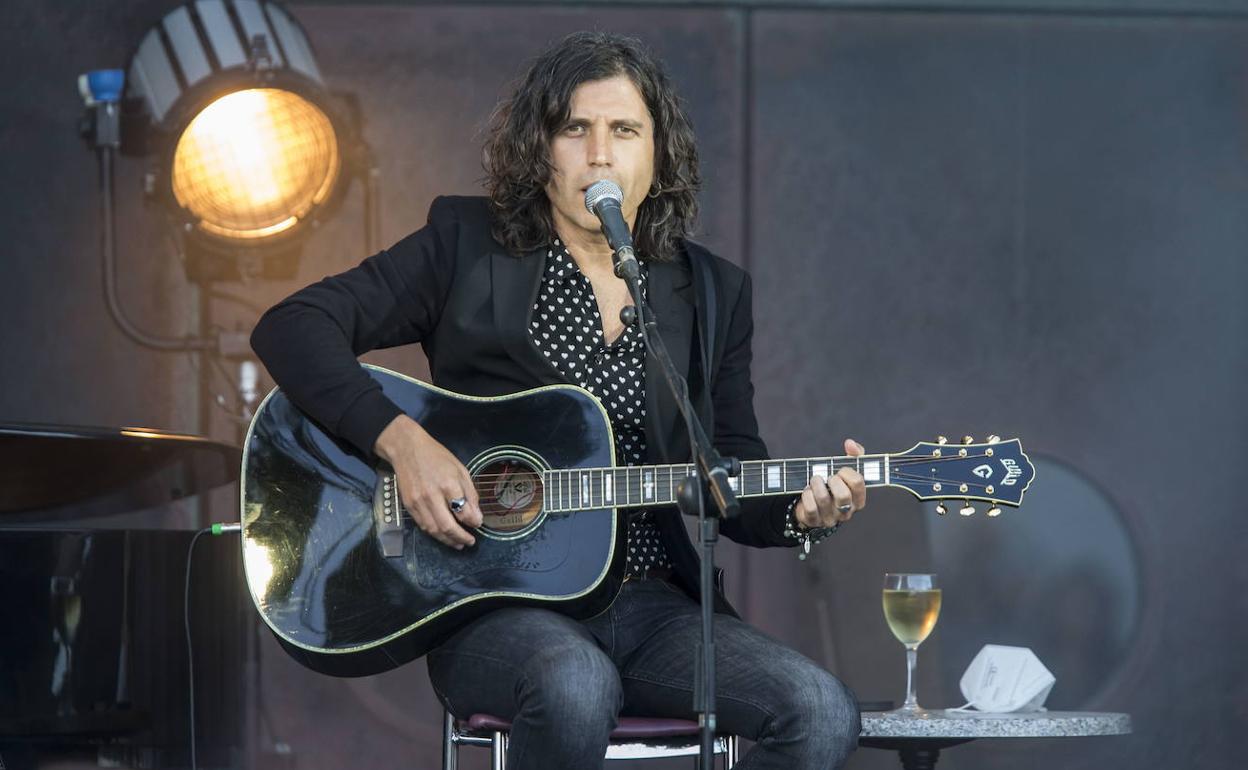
<point x="911" y="607"/>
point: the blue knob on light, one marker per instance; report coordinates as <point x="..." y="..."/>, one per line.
<point x="106" y="85"/>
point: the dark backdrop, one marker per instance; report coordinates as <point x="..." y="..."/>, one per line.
<point x="1017" y="219"/>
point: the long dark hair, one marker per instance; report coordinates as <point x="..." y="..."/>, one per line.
<point x="517" y="151"/>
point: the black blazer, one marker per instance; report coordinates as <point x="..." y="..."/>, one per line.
<point x="454" y="289"/>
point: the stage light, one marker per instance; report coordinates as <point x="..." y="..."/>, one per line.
<point x="249" y="148"/>
<point x="254" y="163"/>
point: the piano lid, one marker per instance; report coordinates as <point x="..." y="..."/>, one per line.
<point x="53" y="472"/>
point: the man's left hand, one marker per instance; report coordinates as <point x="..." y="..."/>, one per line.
<point x="828" y="502"/>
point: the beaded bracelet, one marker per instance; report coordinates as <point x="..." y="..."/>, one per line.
<point x="805" y="536"/>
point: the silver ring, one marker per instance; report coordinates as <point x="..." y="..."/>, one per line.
<point x="844" y="508"/>
<point x="457" y="504"/>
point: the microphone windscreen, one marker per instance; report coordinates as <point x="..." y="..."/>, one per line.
<point x="600" y="191"/>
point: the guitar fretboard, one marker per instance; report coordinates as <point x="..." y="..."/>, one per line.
<point x="577" y="489"/>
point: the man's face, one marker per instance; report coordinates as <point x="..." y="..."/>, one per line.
<point x="609" y="135"/>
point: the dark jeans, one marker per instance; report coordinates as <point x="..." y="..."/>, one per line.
<point x="562" y="682"/>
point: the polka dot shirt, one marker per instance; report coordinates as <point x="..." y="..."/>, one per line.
<point x="567" y="329"/>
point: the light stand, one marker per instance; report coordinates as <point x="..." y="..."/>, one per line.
<point x="101" y="128"/>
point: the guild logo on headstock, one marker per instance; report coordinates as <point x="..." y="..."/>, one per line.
<point x="983" y="471"/>
<point x="1012" y="471"/>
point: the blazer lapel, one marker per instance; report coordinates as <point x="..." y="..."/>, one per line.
<point x="670" y="295"/>
<point x="516" y="281"/>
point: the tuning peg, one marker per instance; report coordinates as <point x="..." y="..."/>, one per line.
<point x="941" y="509"/>
<point x="993" y="512"/>
<point x="968" y="439"/>
<point x="942" y="440"/>
<point x="967" y="510"/>
<point x="994" y="439"/>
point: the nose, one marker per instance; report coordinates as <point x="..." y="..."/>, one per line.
<point x="600" y="146"/>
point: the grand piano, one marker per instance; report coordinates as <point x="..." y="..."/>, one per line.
<point x="95" y="526"/>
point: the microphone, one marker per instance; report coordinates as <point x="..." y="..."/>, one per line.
<point x="603" y="200"/>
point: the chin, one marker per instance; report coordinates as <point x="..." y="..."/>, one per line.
<point x="586" y="221"/>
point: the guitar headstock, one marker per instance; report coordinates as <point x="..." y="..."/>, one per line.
<point x="995" y="471"/>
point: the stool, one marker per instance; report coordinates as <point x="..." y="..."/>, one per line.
<point x="633" y="738"/>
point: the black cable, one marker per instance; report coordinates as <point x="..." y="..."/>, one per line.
<point x="215" y="529"/>
<point x="190" y="654"/>
<point x="108" y="248"/>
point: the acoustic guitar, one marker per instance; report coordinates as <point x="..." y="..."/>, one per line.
<point x="350" y="586"/>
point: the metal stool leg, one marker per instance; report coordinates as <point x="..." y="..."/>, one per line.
<point x="450" y="746"/>
<point x="498" y="751"/>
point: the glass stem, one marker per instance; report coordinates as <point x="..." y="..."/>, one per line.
<point x="912" y="655"/>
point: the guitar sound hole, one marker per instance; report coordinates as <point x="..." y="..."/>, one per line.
<point x="510" y="493"/>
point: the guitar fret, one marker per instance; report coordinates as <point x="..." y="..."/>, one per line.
<point x="774" y="473"/>
<point x="752" y="477"/>
<point x="796" y="475"/>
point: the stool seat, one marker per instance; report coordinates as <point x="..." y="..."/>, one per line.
<point x="632" y="738"/>
<point x="627" y="727"/>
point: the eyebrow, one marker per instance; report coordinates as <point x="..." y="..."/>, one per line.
<point x="626" y="122"/>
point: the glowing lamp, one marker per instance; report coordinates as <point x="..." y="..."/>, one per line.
<point x="249" y="148"/>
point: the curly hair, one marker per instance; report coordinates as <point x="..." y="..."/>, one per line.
<point x="517" y="150"/>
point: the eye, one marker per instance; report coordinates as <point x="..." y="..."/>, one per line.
<point x="626" y="130"/>
<point x="574" y="129"/>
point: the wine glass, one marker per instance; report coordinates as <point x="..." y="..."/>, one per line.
<point x="911" y="606"/>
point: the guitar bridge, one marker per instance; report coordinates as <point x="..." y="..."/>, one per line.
<point x="388" y="515"/>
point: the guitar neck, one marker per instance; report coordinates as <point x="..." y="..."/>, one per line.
<point x="646" y="485"/>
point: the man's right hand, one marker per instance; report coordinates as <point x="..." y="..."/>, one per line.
<point x="429" y="477"/>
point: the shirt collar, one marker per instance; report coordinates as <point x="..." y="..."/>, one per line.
<point x="560" y="264"/>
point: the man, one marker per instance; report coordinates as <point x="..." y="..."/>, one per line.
<point x="518" y="292"/>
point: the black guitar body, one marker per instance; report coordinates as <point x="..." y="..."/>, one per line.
<point x="352" y="587"/>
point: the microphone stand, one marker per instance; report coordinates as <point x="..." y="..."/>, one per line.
<point x="711" y="473"/>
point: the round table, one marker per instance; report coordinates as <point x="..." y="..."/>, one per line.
<point x="919" y="739"/>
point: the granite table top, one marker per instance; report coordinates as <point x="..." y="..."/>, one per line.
<point x="973" y="724"/>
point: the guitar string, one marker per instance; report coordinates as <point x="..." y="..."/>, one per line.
<point x="896" y="463"/>
<point x="843" y="462"/>
<point x="634" y="487"/>
<point x="497" y="509"/>
<point x="972" y="487"/>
